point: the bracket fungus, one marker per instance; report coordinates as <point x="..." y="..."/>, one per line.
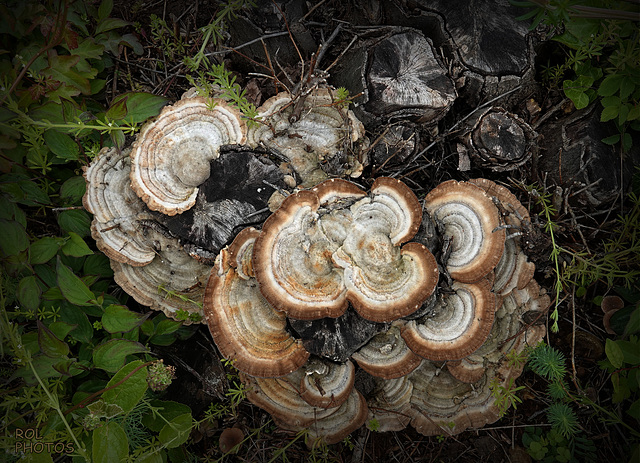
<point x="470" y="220"/>
<point x="117" y="211"/>
<point x="310" y="273"/>
<point x="242" y="323"/>
<point x="309" y="132"/>
<point x="170" y="157"/>
<point x="334" y="310"/>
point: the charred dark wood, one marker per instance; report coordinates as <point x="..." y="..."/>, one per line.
<point x="576" y="159"/>
<point x="335" y="338"/>
<point x="233" y="197"/>
<point x="394" y="144"/>
<point x="498" y="139"/>
<point x="400" y="76"/>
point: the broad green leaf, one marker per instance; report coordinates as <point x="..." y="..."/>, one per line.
<point x="627" y="141"/>
<point x="14" y="238"/>
<point x="128" y="393"/>
<point x="133" y="42"/>
<point x="608" y="113"/>
<point x="89" y="49"/>
<point x="29" y="293"/>
<point x="75" y="246"/>
<point x="72" y="191"/>
<point x="167" y="327"/>
<point x="63" y="69"/>
<point x="634" y="113"/>
<point x="140" y="105"/>
<point x="612" y="140"/>
<point x="176" y="432"/>
<point x="61" y="329"/>
<point x="627" y="87"/>
<point x="118" y="109"/>
<point x="62" y="145"/>
<point x="35" y="457"/>
<point x="76" y="221"/>
<point x="11" y="211"/>
<point x="110" y="444"/>
<point x="73" y="288"/>
<point x="49" y="343"/>
<point x="630" y="351"/>
<point x="610" y="85"/>
<point x="168" y="411"/>
<point x="111" y="23"/>
<point x="575" y="91"/>
<point x="614" y="353"/>
<point x="611" y="101"/>
<point x="155" y="457"/>
<point x="111" y="355"/>
<point x="98" y="264"/>
<point x="102" y="409"/>
<point x="104" y="10"/>
<point x="43" y="250"/>
<point x="634" y="410"/>
<point x="119" y="319"/>
<point x="74" y="316"/>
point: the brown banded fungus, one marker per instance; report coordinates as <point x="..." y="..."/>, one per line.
<point x="170" y="157"/>
<point x="470" y="221"/>
<point x="173" y="281"/>
<point x="117" y="211"/>
<point x="311" y="274"/>
<point x="459" y="326"/>
<point x="244" y="326"/>
<point x="312" y="133"/>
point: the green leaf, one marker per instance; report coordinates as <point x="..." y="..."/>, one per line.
<point x="110" y="444"/>
<point x="634" y="113"/>
<point x="49" y="343"/>
<point x="75" y="246"/>
<point x="575" y="91"/>
<point x="627" y="141"/>
<point x="608" y="113"/>
<point x="62" y="145"/>
<point x="29" y="293"/>
<point x="612" y="140"/>
<point x="111" y="23"/>
<point x="140" y="106"/>
<point x="73" y="288"/>
<point x="63" y="69"/>
<point x="167" y="327"/>
<point x="119" y="319"/>
<point x="14" y="238"/>
<point x="610" y="85"/>
<point x="105" y="10"/>
<point x="627" y="87"/>
<point x="127" y="394"/>
<point x="72" y="191"/>
<point x="101" y="409"/>
<point x="89" y="49"/>
<point x="73" y="315"/>
<point x="98" y="264"/>
<point x="76" y="221"/>
<point x="614" y="353"/>
<point x="118" y="109"/>
<point x="168" y="411"/>
<point x="111" y="355"/>
<point x="43" y="250"/>
<point x="176" y="432"/>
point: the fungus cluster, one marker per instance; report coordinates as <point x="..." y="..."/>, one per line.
<point x="439" y="342"/>
<point x="344" y="307"/>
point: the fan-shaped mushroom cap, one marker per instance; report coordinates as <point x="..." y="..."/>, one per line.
<point x="327" y="384"/>
<point x="292" y="261"/>
<point x="171" y="155"/>
<point x="444" y="405"/>
<point x="387" y="355"/>
<point x="326" y="246"/>
<point x="390" y="405"/>
<point x="173" y="281"/>
<point x="461" y="323"/>
<point x="470" y="219"/>
<point x="116" y="210"/>
<point x="281" y="398"/>
<point x="243" y="325"/>
<point x="307" y="131"/>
